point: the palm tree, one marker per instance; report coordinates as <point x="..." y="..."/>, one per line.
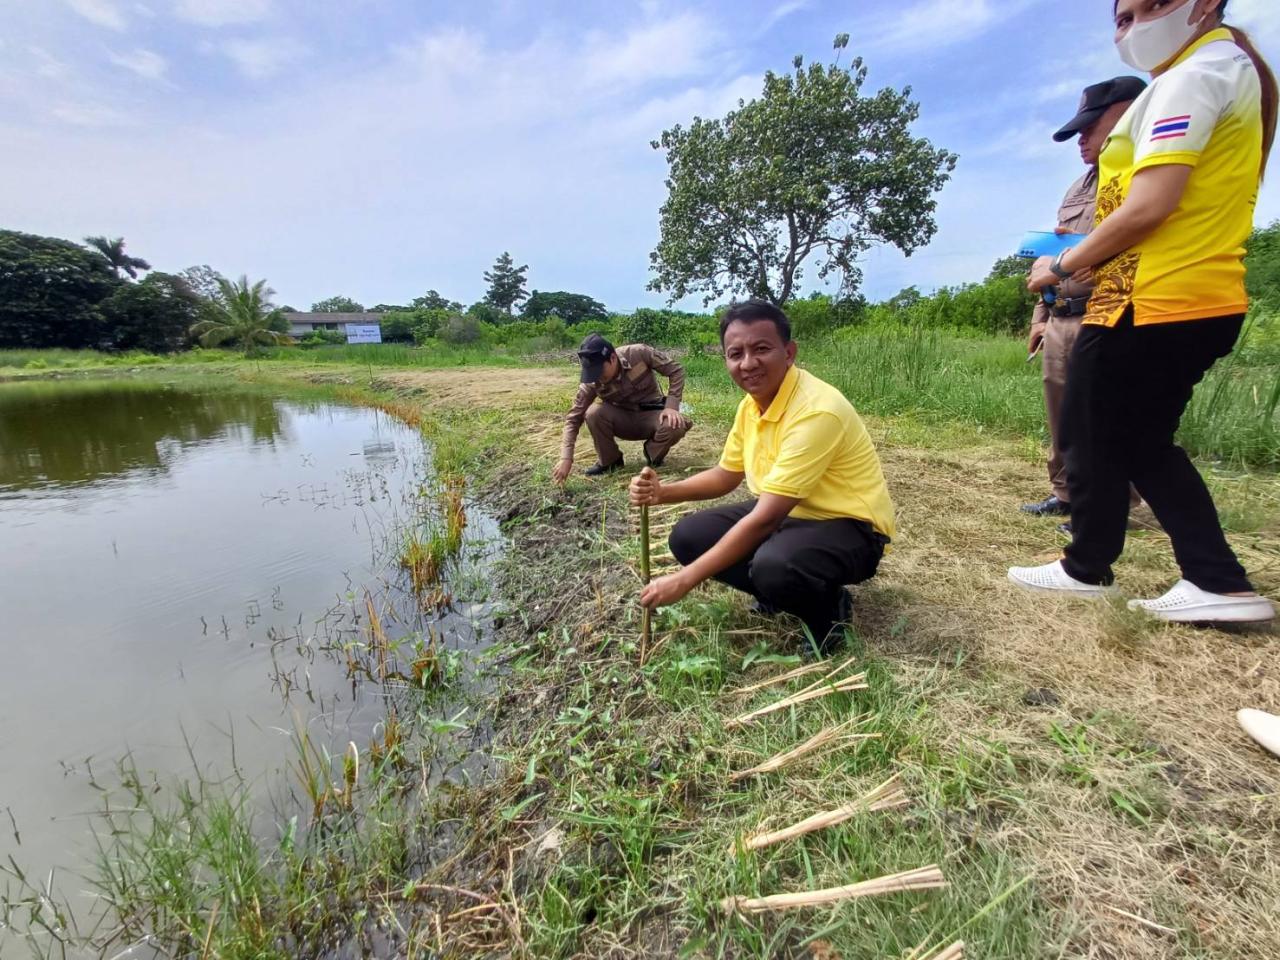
<point x="113" y="250"/>
<point x="245" y="316"/>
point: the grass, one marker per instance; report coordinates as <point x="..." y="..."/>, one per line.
<point x="605" y="825"/>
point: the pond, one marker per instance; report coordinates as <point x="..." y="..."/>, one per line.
<point x="185" y="575"/>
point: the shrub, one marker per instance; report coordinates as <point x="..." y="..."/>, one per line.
<point x="459" y="329"/>
<point x="320" y="338"/>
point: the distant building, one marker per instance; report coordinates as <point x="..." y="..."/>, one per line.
<point x="301" y="324"/>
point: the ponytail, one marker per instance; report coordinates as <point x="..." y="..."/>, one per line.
<point x="1269" y="92"/>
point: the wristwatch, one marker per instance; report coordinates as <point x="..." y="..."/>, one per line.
<point x="1058" y="270"/>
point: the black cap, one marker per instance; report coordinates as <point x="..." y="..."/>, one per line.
<point x="1096" y="99"/>
<point x="593" y="353"/>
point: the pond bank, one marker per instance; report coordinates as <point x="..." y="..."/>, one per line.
<point x="606" y="829"/>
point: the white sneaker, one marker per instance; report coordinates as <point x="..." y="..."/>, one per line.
<point x="1187" y="603"/>
<point x="1051" y="578"/>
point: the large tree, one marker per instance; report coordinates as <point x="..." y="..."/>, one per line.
<point x="506" y="283"/>
<point x="432" y="300"/>
<point x="337" y="304"/>
<point x="50" y="291"/>
<point x="570" y="307"/>
<point x="814" y="168"/>
<point x="155" y="315"/>
<point x="112" y="248"/>
<point x="245" y="317"/>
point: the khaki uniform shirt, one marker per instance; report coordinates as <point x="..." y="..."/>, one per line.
<point x="1076" y="215"/>
<point x="634" y="385"/>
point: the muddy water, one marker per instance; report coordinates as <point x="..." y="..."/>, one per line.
<point x="177" y="568"/>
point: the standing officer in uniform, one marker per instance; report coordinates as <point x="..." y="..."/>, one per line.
<point x="1054" y="327"/>
<point x="631" y="406"/>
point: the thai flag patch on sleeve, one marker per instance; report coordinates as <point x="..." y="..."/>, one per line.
<point x="1171" y="128"/>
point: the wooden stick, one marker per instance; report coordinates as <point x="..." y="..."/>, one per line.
<point x="780" y="760"/>
<point x="884" y="797"/>
<point x="953" y="952"/>
<point x="926" y="878"/>
<point x="781" y="678"/>
<point x="645" y="616"/>
<point x="840" y="686"/>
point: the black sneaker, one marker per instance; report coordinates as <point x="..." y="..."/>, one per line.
<point x="1050" y="507"/>
<point x="763" y="609"/>
<point x="599" y="470"/>
<point x="650" y="461"/>
<point x="1065" y="528"/>
<point x="835" y="634"/>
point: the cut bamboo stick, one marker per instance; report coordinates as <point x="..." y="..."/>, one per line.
<point x="926" y="878"/>
<point x="780" y="678"/>
<point x="820" y="739"/>
<point x="854" y="682"/>
<point x="884" y="797"/>
<point x="953" y="952"/>
<point x="645" y="616"/>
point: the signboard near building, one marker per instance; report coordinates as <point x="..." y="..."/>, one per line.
<point x="364" y="333"/>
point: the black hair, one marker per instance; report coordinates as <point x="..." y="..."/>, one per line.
<point x="753" y="311"/>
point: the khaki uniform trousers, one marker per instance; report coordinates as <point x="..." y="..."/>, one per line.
<point x="609" y="423"/>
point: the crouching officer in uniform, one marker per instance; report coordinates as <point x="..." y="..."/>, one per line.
<point x="1054" y="327"/>
<point x="821" y="516"/>
<point x="631" y="405"/>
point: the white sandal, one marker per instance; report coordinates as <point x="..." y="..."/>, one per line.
<point x="1187" y="603"/>
<point x="1051" y="578"/>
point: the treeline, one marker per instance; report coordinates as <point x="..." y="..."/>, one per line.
<point x="55" y="293"/>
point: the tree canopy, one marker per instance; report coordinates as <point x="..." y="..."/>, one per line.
<point x="154" y="315"/>
<point x="246" y="316"/>
<point x="570" y="307"/>
<point x="814" y="168"/>
<point x="337" y="304"/>
<point x="112" y="248"/>
<point x="506" y="283"/>
<point x="50" y="291"/>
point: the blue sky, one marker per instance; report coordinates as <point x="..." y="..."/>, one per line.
<point x="378" y="148"/>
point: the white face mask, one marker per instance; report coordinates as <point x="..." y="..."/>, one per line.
<point x="1149" y="44"/>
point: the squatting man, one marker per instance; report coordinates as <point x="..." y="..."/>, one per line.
<point x="820" y="516"/>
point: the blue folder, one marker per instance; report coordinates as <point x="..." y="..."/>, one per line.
<point x="1042" y="243"/>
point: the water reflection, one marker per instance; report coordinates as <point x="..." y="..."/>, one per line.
<point x="54" y="435"/>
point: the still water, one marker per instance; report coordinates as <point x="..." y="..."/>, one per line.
<point x="174" y="563"/>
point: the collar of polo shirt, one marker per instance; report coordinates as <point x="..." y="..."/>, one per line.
<point x="783" y="397"/>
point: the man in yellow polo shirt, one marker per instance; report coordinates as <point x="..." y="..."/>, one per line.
<point x="821" y="514"/>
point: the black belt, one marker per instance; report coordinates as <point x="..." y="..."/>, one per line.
<point x="1070" y="306"/>
<point x="653" y="404"/>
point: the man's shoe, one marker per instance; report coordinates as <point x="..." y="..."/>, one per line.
<point x="1049" y="507"/>
<point x="837" y="633"/>
<point x="1052" y="578"/>
<point x="652" y="462"/>
<point x="1187" y="603"/>
<point x="1065" y="529"/>
<point x="599" y="470"/>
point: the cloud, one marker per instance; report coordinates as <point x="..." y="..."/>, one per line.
<point x="930" y="24"/>
<point x="145" y="63"/>
<point x="782" y="11"/>
<point x="666" y="49"/>
<point x="260" y="59"/>
<point x="102" y="12"/>
<point x="90" y="115"/>
<point x="221" y="13"/>
<point x="48" y="66"/>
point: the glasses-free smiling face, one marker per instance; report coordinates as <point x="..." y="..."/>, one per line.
<point x="757" y="358"/>
<point x="1129" y="12"/>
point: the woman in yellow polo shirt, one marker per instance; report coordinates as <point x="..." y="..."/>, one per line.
<point x="1178" y="182"/>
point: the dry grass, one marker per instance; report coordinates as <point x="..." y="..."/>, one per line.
<point x="1156" y="701"/>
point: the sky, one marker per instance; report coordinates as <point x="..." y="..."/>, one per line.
<point x="380" y="148"/>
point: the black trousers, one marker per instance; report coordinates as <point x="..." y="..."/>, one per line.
<point x="1127" y="389"/>
<point x="801" y="568"/>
